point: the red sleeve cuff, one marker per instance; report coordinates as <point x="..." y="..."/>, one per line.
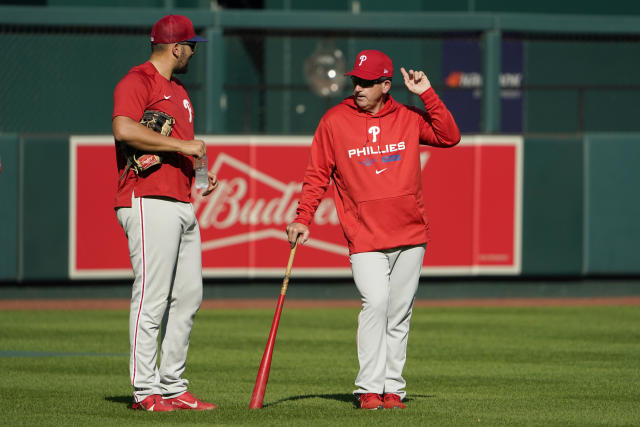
<point x="429" y="96"/>
<point x="303" y="218"/>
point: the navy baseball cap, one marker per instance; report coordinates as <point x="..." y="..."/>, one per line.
<point x="174" y="29"/>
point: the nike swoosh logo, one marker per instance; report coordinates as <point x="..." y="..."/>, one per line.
<point x="378" y="172"/>
<point x="167" y="97"/>
<point x="191" y="405"/>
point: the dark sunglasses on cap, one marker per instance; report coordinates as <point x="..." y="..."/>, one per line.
<point x="192" y="45"/>
<point x="357" y="81"/>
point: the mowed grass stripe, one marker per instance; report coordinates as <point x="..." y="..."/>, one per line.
<point x="465" y="366"/>
<point x="259" y="303"/>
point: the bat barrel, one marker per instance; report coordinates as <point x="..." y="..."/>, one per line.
<point x="265" y="365"/>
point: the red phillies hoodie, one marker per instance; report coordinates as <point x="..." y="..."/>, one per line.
<point x="374" y="161"/>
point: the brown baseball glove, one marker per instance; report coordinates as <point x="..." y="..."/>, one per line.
<point x="141" y="161"/>
<point x="158" y="121"/>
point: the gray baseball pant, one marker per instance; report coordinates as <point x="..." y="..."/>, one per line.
<point x="165" y="251"/>
<point x="387" y="281"/>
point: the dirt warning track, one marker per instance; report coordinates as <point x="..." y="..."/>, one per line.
<point x="266" y="303"/>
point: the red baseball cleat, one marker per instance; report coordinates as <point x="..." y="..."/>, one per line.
<point x="393" y="401"/>
<point x="187" y="401"/>
<point x="153" y="403"/>
<point x="370" y="401"/>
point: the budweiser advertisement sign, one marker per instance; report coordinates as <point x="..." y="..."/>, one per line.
<point x="472" y="192"/>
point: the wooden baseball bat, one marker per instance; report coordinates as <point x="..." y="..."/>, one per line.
<point x="265" y="364"/>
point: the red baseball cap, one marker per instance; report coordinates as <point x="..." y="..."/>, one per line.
<point x="372" y="65"/>
<point x="174" y="29"/>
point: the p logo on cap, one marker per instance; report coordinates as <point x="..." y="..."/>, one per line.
<point x="372" y="65"/>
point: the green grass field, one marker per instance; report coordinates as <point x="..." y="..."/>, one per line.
<point x="466" y="366"/>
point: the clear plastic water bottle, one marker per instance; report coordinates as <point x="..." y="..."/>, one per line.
<point x="201" y="167"/>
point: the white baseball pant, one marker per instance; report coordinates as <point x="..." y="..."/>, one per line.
<point x="387" y="281"/>
<point x="165" y="251"/>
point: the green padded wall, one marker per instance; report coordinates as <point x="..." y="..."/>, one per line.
<point x="612" y="204"/>
<point x="564" y="75"/>
<point x="552" y="207"/>
<point x="9" y="206"/>
<point x="46" y="208"/>
<point x="65" y="84"/>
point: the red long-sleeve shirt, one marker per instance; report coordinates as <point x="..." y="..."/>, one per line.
<point x="374" y="162"/>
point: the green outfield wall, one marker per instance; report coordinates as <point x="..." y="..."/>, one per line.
<point x="65" y="59"/>
<point x="579" y="216"/>
<point x="579" y="103"/>
<point x="10" y="207"/>
<point x="611" y="203"/>
<point x="552" y="232"/>
<point x="45" y="207"/>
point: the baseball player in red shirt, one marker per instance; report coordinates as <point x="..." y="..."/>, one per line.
<point x="153" y="206"/>
<point x="369" y="146"/>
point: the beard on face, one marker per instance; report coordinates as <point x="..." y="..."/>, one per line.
<point x="183" y="64"/>
<point x="182" y="69"/>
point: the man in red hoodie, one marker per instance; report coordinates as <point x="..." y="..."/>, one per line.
<point x="369" y="146"/>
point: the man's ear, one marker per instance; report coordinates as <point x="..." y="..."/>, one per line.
<point x="176" y="49"/>
<point x="386" y="86"/>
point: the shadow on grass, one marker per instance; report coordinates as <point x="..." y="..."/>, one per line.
<point x="342" y="397"/>
<point x="125" y="400"/>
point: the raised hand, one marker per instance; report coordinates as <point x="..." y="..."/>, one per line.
<point x="416" y="81"/>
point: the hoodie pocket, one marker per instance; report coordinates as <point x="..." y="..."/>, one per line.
<point x="389" y="222"/>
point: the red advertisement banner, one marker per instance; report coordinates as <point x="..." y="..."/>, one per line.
<point x="472" y="196"/>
